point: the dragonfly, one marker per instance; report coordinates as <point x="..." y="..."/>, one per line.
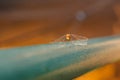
<point x="72" y="39"/>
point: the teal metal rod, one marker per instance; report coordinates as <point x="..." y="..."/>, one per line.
<point x="56" y="61"/>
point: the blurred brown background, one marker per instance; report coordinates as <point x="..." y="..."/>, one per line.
<point x="28" y="22"/>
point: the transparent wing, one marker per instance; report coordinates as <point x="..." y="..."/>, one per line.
<point x="73" y="37"/>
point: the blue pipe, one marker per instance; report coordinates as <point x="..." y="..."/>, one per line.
<point x="57" y="62"/>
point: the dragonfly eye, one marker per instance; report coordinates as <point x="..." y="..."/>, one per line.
<point x="68" y="37"/>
